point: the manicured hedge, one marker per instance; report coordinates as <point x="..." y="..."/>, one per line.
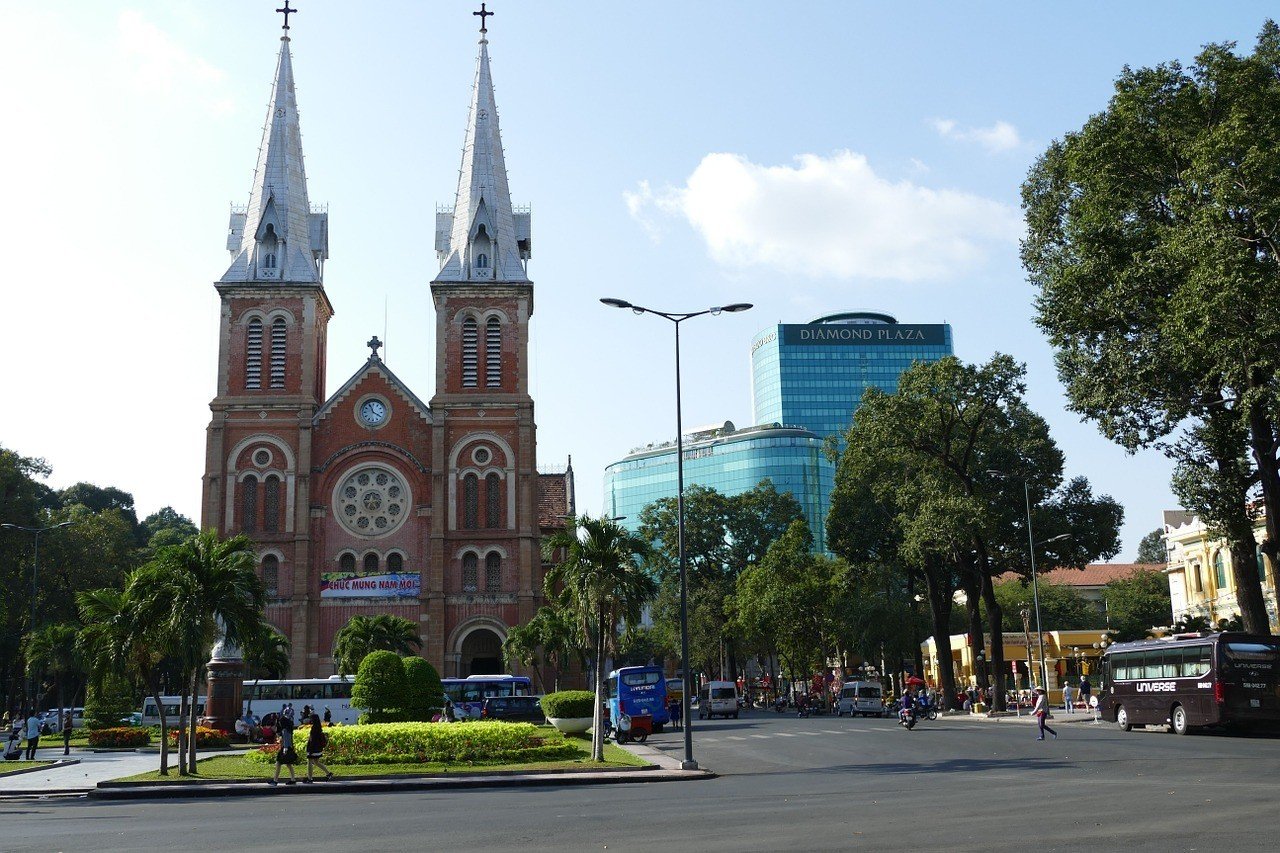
<point x="206" y="738"/>
<point x="379" y="687"/>
<point x="423" y="692"/>
<point x="569" y="704"/>
<point x="119" y="737"/>
<point x="418" y="743"/>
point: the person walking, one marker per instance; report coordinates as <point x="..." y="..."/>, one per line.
<point x="287" y="756"/>
<point x="328" y="716"/>
<point x="1085" y="690"/>
<point x="33" y="734"/>
<point x="677" y="709"/>
<point x="66" y="732"/>
<point x="317" y="740"/>
<point x="1067" y="695"/>
<point x="1041" y="711"/>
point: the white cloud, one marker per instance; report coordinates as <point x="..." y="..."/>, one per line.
<point x="829" y="216"/>
<point x="998" y="138"/>
<point x="157" y="64"/>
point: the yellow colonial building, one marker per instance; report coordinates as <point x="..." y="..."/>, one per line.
<point x="1067" y="655"/>
<point x="1199" y="570"/>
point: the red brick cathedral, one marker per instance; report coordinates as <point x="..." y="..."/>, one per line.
<point x="369" y="500"/>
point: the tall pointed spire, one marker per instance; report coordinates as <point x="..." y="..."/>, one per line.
<point x="483" y="239"/>
<point x="277" y="238"/>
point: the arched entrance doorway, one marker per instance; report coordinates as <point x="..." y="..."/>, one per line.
<point x="481" y="653"/>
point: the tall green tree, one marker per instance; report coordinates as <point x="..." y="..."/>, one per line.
<point x="1151" y="238"/>
<point x="1137" y="603"/>
<point x="364" y="634"/>
<point x="550" y="639"/>
<point x="266" y="653"/>
<point x="1062" y="608"/>
<point x="724" y="535"/>
<point x="600" y="578"/>
<point x="51" y="653"/>
<point x="166" y="527"/>
<point x="1151" y="547"/>
<point x="197" y="591"/>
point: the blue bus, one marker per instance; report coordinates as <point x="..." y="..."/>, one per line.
<point x="468" y="694"/>
<point x="639" y="690"/>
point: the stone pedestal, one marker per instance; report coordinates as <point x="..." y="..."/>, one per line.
<point x="224" y="703"/>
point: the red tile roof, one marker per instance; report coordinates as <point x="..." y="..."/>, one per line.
<point x="1094" y="574"/>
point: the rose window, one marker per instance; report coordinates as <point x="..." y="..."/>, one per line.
<point x="372" y="501"/>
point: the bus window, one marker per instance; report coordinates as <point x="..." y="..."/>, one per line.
<point x="306" y="691"/>
<point x="639" y="679"/>
<point x="521" y="689"/>
<point x="1171" y="663"/>
<point x="613" y="688"/>
<point x="1152" y="667"/>
<point x="1198" y="661"/>
<point x="1239" y="650"/>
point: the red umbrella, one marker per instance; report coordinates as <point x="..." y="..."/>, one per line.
<point x="915" y="679"/>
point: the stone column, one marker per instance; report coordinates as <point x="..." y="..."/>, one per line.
<point x="224" y="702"/>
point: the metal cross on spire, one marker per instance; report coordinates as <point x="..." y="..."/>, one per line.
<point x="286" y="11"/>
<point x="374" y="344"/>
<point x="483" y="13"/>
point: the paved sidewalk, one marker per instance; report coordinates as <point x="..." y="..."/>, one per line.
<point x="94" y="767"/>
<point x="1059" y="716"/>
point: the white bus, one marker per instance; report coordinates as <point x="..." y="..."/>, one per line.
<point x="151" y="714"/>
<point x="333" y="693"/>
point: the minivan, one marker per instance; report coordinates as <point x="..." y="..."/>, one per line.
<point x="860" y="698"/>
<point x="718" y="698"/>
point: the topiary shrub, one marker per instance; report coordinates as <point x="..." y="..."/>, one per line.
<point x="106" y="704"/>
<point x="123" y="737"/>
<point x="424" y="694"/>
<point x="569" y="704"/>
<point x="379" y="687"/>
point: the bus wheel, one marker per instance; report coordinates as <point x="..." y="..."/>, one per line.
<point x="1179" y="721"/>
<point x="1122" y="719"/>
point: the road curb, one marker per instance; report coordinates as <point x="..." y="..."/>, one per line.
<point x="174" y="790"/>
<point x="53" y="766"/>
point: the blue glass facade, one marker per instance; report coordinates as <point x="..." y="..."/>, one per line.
<point x="731" y="463"/>
<point x="812" y="375"/>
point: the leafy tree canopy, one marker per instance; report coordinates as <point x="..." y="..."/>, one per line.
<point x="1151" y="548"/>
<point x="1138" y="603"/>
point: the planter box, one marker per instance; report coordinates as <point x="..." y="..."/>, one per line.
<point x="570" y="725"/>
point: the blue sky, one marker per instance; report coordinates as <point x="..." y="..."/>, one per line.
<point x="807" y="159"/>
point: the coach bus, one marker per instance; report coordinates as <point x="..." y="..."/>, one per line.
<point x="468" y="694"/>
<point x="637" y="690"/>
<point x="333" y="694"/>
<point x="1192" y="680"/>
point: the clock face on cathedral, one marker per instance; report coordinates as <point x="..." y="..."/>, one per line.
<point x="372" y="501"/>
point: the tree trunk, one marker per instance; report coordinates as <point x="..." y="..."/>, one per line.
<point x="191" y="739"/>
<point x="1262" y="441"/>
<point x="597" y="714"/>
<point x="940" y="596"/>
<point x="995" y="624"/>
<point x="1244" y="570"/>
<point x="182" y="732"/>
<point x="164" y="731"/>
<point x="973" y="612"/>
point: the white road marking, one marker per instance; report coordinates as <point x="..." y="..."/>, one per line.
<point x="761" y="737"/>
<point x="735" y="737"/>
<point x="785" y="734"/>
<point x="830" y="732"/>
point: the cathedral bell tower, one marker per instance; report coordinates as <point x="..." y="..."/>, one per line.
<point x="271" y="364"/>
<point x="485" y="469"/>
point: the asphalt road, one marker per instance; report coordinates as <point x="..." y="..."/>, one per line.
<point x="820" y="783"/>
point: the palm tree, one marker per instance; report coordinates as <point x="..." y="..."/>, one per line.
<point x="266" y="654"/>
<point x="114" y="642"/>
<point x="364" y="634"/>
<point x="51" y="651"/>
<point x="550" y="638"/>
<point x="601" y="581"/>
<point x="200" y="589"/>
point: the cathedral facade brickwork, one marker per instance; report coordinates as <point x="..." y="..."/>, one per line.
<point x="370" y="500"/>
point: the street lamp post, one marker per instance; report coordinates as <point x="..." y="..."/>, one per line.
<point x="677" y="318"/>
<point x="35" y="577"/>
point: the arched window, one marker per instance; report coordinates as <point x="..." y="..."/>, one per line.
<point x="253" y="356"/>
<point x="492" y="500"/>
<point x="370" y="564"/>
<point x="269" y="261"/>
<point x="395" y="564"/>
<point x="470" y="502"/>
<point x="470" y="353"/>
<point x="470" y="572"/>
<point x="493" y="572"/>
<point x="249" y="504"/>
<point x="271" y="575"/>
<point x="482" y="261"/>
<point x="493" y="353"/>
<point x="277" y="353"/>
<point x="271" y="505"/>
<point x="1219" y="571"/>
<point x="347" y="563"/>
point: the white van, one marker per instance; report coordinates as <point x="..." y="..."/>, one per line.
<point x="860" y="698"/>
<point x="718" y="697"/>
<point x="151" y="714"/>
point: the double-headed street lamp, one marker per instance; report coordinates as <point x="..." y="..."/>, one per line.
<point x="678" y="318"/>
<point x="35" y="576"/>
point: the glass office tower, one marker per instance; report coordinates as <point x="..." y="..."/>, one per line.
<point x="730" y="461"/>
<point x="812" y="375"/>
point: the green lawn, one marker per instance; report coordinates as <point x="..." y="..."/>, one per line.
<point x="10" y="766"/>
<point x="238" y="767"/>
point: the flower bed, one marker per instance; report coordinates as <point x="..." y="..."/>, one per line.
<point x="206" y="738"/>
<point x="419" y="743"/>
<point x="119" y="738"/>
